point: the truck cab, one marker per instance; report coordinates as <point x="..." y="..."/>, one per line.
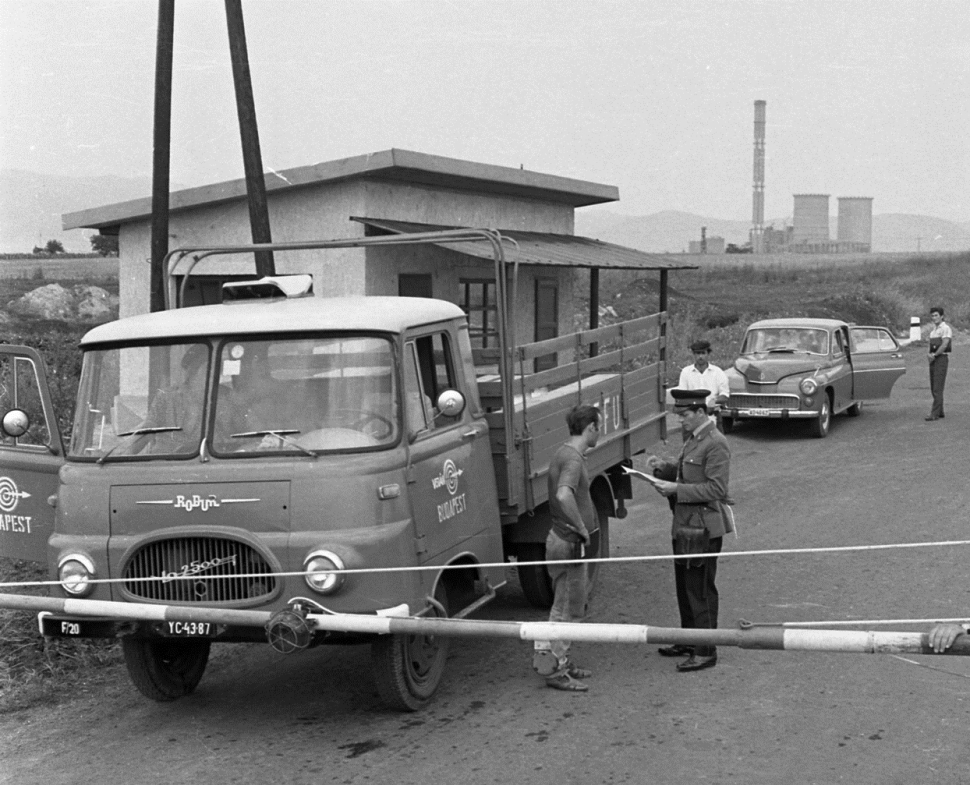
<point x="235" y="454"/>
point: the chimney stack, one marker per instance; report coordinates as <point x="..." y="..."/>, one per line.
<point x="758" y="199"/>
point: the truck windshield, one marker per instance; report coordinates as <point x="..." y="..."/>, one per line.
<point x="786" y="339"/>
<point x="141" y="401"/>
<point x="298" y="396"/>
<point x="305" y="395"/>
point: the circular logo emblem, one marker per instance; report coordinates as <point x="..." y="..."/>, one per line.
<point x="451" y="474"/>
<point x="9" y="495"/>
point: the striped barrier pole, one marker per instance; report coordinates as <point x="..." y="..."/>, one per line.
<point x="747" y="637"/>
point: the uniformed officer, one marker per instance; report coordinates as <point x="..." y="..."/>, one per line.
<point x="697" y="484"/>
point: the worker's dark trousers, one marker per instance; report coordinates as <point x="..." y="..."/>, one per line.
<point x="697" y="597"/>
<point x="938" y="368"/>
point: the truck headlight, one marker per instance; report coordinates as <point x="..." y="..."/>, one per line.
<point x="318" y="567"/>
<point x="808" y="386"/>
<point x="75" y="572"/>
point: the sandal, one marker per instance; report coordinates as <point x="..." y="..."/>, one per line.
<point x="566" y="682"/>
<point x="577" y="672"/>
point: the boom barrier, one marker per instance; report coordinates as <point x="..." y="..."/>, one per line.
<point x="743" y="636"/>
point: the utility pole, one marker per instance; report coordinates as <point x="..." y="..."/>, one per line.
<point x="162" y="142"/>
<point x="249" y="134"/>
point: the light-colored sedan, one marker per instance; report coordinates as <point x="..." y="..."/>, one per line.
<point x="810" y="369"/>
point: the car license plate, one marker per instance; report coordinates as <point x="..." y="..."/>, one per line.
<point x="759" y="412"/>
<point x="188" y="629"/>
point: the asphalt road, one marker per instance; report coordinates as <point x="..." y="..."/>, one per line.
<point x="758" y="717"/>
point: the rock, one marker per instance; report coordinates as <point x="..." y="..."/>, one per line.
<point x="48" y="302"/>
<point x="94" y="304"/>
<point x="80" y="303"/>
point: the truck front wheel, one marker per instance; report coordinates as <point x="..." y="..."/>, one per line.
<point x="165" y="669"/>
<point x="408" y="668"/>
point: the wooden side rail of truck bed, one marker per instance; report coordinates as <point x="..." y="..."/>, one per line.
<point x="617" y="368"/>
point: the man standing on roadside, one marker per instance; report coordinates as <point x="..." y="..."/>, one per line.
<point x="941" y="336"/>
<point x="702" y="375"/>
<point x="573" y="517"/>
<point x="698" y="484"/>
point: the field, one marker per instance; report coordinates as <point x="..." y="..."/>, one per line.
<point x="715" y="303"/>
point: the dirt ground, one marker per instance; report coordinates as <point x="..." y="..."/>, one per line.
<point x="758" y="717"/>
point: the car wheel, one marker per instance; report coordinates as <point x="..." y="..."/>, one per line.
<point x="727" y="424"/>
<point x="855" y="409"/>
<point x="820" y="425"/>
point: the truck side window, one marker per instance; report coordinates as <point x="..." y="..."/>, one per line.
<point x="427" y="375"/>
<point x="20" y="389"/>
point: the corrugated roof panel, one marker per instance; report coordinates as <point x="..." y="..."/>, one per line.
<point x="544" y="248"/>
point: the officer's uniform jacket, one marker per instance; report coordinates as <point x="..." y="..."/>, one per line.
<point x="702" y="475"/>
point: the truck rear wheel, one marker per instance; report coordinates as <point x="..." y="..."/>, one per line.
<point x="408" y="668"/>
<point x="534" y="579"/>
<point x="600" y="548"/>
<point x="165" y="669"/>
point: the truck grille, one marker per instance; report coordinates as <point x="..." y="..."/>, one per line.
<point x="199" y="570"/>
<point x="763" y="402"/>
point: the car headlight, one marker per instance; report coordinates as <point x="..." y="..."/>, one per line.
<point x="319" y="576"/>
<point x="808" y="386"/>
<point x="75" y="572"/>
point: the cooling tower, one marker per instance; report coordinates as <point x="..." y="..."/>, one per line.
<point x="758" y="199"/>
<point x="810" y="221"/>
<point x="855" y="219"/>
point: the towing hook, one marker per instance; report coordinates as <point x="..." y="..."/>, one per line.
<point x="288" y="630"/>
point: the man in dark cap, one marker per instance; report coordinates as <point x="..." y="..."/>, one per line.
<point x="702" y="375"/>
<point x="697" y="486"/>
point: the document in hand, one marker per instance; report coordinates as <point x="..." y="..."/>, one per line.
<point x="635" y="473"/>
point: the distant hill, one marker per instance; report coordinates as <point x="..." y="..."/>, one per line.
<point x="671" y="231"/>
<point x="31" y="206"/>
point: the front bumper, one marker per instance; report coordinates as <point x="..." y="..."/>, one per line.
<point x="770" y="414"/>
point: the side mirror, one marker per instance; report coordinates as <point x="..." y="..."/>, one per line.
<point x="451" y="403"/>
<point x="15" y="423"/>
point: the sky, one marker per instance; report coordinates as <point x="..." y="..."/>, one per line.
<point x="864" y="98"/>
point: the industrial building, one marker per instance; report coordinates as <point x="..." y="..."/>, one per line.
<point x="809" y="232"/>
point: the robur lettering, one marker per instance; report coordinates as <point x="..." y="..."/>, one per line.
<point x="196" y="502"/>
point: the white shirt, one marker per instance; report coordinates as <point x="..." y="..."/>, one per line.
<point x="713" y="379"/>
<point x="941" y="330"/>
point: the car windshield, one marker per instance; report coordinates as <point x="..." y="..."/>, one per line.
<point x="298" y="396"/>
<point x="786" y="339"/>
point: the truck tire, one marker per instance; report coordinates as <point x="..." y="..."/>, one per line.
<point x="165" y="669"/>
<point x="600" y="549"/>
<point x="534" y="579"/>
<point x="408" y="668"/>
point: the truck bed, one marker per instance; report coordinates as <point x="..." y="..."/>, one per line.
<point x="616" y="368"/>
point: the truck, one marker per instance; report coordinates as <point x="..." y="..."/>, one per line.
<point x="289" y="453"/>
